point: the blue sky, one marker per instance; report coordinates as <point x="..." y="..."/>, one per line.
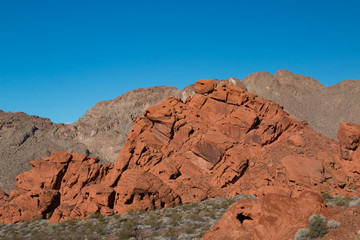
<point x="59" y="58"/>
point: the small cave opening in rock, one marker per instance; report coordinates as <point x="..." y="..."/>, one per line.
<point x="111" y="200"/>
<point x="241" y="217"/>
<point x="191" y="132"/>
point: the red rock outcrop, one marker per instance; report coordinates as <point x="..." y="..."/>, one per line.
<point x="349" y="138"/>
<point x="205" y="86"/>
<point x="53" y="182"/>
<point x="273" y="217"/>
<point x="223" y="143"/>
<point x="111" y="121"/>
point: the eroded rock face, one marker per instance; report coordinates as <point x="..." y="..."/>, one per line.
<point x="53" y="182"/>
<point x="273" y="217"/>
<point x="349" y="138"/>
<point x="223" y="143"/>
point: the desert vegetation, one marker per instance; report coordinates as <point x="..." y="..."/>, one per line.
<point x="337" y="200"/>
<point x="317" y="228"/>
<point x="184" y="221"/>
<point x="318" y="225"/>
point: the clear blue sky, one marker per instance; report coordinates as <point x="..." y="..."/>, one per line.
<point x="59" y="58"/>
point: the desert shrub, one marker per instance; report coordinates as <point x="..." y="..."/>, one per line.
<point x="317" y="226"/>
<point x="128" y="229"/>
<point x="337" y="200"/>
<point x="152" y="220"/>
<point x="301" y="234"/>
<point x="354" y="202"/>
<point x="189" y="230"/>
<point x="174" y="219"/>
<point x="194" y="216"/>
<point x="341" y="201"/>
<point x="327" y="197"/>
<point x="170" y="232"/>
<point x="209" y="213"/>
<point x="227" y="203"/>
<point x="333" y="224"/>
<point x="187" y="206"/>
<point x="188" y="221"/>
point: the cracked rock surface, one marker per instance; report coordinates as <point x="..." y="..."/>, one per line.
<point x="223" y="142"/>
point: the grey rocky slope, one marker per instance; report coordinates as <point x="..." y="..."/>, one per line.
<point x="105" y="126"/>
<point x="103" y="129"/>
<point x="307" y="99"/>
<point x="24" y="138"/>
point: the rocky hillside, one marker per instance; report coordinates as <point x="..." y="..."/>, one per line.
<point x="223" y="141"/>
<point x="103" y="129"/>
<point x="307" y="99"/>
<point x="100" y="132"/>
<point x="24" y="138"/>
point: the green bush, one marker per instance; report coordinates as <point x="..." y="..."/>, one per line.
<point x="170" y="232"/>
<point x="341" y="201"/>
<point x="327" y="197"/>
<point x="302" y="234"/>
<point x="333" y="224"/>
<point x="337" y="200"/>
<point x="152" y="220"/>
<point x="354" y="202"/>
<point x="317" y="226"/>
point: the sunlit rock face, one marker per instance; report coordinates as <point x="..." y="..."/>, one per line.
<point x="222" y="142"/>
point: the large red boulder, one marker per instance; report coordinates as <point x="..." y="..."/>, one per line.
<point x="29" y="205"/>
<point x="46" y="174"/>
<point x="142" y="190"/>
<point x="273" y="217"/>
<point x="52" y="183"/>
<point x="204" y="86"/>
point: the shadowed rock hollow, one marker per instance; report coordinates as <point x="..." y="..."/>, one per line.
<point x="223" y="142"/>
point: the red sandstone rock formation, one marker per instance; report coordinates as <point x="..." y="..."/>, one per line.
<point x="349" y="137"/>
<point x="110" y="121"/>
<point x="223" y="143"/>
<point x="53" y="182"/>
<point x="204" y="86"/>
<point x="273" y="217"/>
